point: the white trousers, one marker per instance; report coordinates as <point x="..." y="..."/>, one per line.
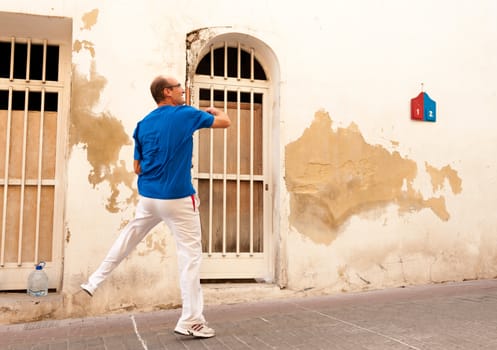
<point x="183" y="219"/>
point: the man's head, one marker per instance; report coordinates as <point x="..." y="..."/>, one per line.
<point x="167" y="91"/>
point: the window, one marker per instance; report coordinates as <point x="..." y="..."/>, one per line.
<point x="35" y="55"/>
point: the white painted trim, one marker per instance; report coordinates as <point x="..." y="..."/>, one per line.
<point x="199" y="43"/>
<point x="58" y="31"/>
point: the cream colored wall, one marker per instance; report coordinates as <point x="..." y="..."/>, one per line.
<point x="377" y="200"/>
<point x="367" y="198"/>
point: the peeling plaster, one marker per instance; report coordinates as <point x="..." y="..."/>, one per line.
<point x="438" y="176"/>
<point x="102" y="135"/>
<point x="89" y="19"/>
<point x="154" y="243"/>
<point x="86" y="45"/>
<point x="194" y="41"/>
<point x="334" y="175"/>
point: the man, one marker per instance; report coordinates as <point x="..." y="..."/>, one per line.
<point x="162" y="161"/>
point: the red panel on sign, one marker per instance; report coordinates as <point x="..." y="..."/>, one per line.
<point x="417" y="107"/>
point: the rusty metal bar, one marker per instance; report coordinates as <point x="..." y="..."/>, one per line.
<point x="239" y="63"/>
<point x="28" y="60"/>
<point x="251" y="228"/>
<point x="252" y="58"/>
<point x="39" y="176"/>
<point x="23" y="177"/>
<point x="6" y="176"/>
<point x="225" y="60"/>
<point x="225" y="170"/>
<point x="12" y="52"/>
<point x="211" y="172"/>
<point x="212" y="62"/>
<point x="44" y="65"/>
<point x="238" y="132"/>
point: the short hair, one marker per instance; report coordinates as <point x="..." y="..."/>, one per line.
<point x="157" y="88"/>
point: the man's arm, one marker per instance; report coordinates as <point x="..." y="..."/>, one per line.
<point x="221" y="119"/>
<point x="136" y="166"/>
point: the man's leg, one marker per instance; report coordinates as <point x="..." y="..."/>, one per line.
<point x="184" y="220"/>
<point x="128" y="239"/>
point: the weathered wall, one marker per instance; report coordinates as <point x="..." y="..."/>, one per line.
<point x="339" y="183"/>
<point x="376" y="199"/>
<point x="367" y="198"/>
<point x="335" y="175"/>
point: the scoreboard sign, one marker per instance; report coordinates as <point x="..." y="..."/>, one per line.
<point x="423" y="108"/>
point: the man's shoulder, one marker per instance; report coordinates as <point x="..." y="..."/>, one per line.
<point x="187" y="108"/>
<point x="162" y="110"/>
<point x="152" y="115"/>
<point x="179" y="111"/>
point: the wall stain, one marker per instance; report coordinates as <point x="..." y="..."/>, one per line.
<point x="102" y="135"/>
<point x="154" y="242"/>
<point x="334" y="175"/>
<point x="438" y="177"/>
<point x="68" y="235"/>
<point x="84" y="45"/>
<point x="89" y="19"/>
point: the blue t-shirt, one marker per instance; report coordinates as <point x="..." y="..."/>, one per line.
<point x="164" y="145"/>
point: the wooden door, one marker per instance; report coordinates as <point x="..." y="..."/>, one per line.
<point x="231" y="183"/>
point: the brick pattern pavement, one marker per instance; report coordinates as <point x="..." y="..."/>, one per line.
<point x="435" y="317"/>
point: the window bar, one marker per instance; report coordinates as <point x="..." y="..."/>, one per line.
<point x="225" y="169"/>
<point x="28" y="59"/>
<point x="44" y="67"/>
<point x="225" y="60"/>
<point x="6" y="176"/>
<point x="238" y="122"/>
<point x="12" y="50"/>
<point x="251" y="172"/>
<point x="23" y="177"/>
<point x="211" y="170"/>
<point x="40" y="164"/>
<point x="212" y="62"/>
<point x="252" y="64"/>
<point x="239" y="63"/>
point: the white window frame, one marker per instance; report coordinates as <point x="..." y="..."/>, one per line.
<point x="56" y="31"/>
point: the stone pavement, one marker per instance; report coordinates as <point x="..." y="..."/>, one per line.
<point x="442" y="316"/>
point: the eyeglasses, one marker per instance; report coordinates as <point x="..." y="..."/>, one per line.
<point x="172" y="86"/>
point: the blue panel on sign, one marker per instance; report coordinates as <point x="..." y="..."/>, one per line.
<point x="430" y="109"/>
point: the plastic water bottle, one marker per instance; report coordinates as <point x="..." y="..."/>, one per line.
<point x="38" y="281"/>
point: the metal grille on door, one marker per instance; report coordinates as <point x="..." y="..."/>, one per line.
<point x="229" y="166"/>
<point x="29" y="100"/>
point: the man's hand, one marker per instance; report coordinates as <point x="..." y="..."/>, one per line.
<point x="221" y="119"/>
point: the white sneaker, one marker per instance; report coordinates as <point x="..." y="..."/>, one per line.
<point x="199" y="330"/>
<point x="88" y="288"/>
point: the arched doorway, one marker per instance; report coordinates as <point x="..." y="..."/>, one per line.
<point x="232" y="167"/>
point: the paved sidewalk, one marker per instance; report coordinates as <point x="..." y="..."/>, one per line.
<point x="444" y="316"/>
